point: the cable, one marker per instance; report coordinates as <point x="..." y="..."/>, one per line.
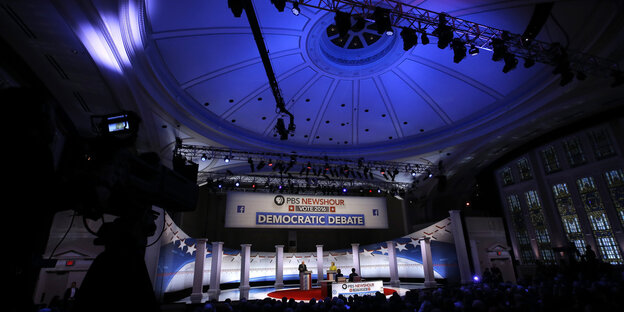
<point x="562" y="30"/>
<point x="161" y="232"/>
<point x="64" y="236"/>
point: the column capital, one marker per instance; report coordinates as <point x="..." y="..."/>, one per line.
<point x="279" y="246"/>
<point x="319" y="246"/>
<point x="201" y="240"/>
<point x="217" y="243"/>
<point x="355" y="244"/>
<point x="245" y="245"/>
<point x="425" y="238"/>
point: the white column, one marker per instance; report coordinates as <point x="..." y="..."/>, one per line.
<point x="476" y="263"/>
<point x="198" y="274"/>
<point x="244" y="277"/>
<point x="460" y="246"/>
<point x="394" y="269"/>
<point x="355" y="249"/>
<point x="215" y="271"/>
<point x="319" y="264"/>
<point x="279" y="266"/>
<point x="425" y="250"/>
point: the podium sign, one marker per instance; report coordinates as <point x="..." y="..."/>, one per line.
<point x="305" y="280"/>
<point x="357" y="288"/>
<point x="331" y="275"/>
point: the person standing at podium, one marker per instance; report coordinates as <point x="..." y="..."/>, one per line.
<point x="302" y="268"/>
<point x="333" y="267"/>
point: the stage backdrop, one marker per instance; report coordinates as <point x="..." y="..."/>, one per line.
<point x="177" y="259"/>
<point x="265" y="210"/>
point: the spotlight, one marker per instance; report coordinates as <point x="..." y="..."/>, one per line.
<point x="343" y="23"/>
<point x="410" y="39"/>
<point x="499" y="48"/>
<point x="443" y="32"/>
<point x="236" y="6"/>
<point x="279" y="4"/>
<point x="413" y="173"/>
<point x="270" y="163"/>
<point x="237" y="184"/>
<point x="475" y="278"/>
<point x="204" y="157"/>
<point x="424" y="39"/>
<point x="459" y="50"/>
<point x="529" y="62"/>
<point x="295" y="9"/>
<point x="382" y="171"/>
<point x="344" y="189"/>
<point x="227" y="159"/>
<point x="510" y="62"/>
<point x="281" y="129"/>
<point x="473" y="50"/>
<point x="382" y="20"/>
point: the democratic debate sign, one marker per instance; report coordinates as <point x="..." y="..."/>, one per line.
<point x="265" y="210"/>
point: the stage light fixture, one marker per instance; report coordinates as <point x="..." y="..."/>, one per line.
<point x="260" y="165"/>
<point x="510" y="62"/>
<point x="413" y="173"/>
<point x="344" y="189"/>
<point x="410" y="39"/>
<point x="473" y="50"/>
<point x="251" y="164"/>
<point x="499" y="48"/>
<point x="237" y="184"/>
<point x="343" y="23"/>
<point x="204" y="157"/>
<point x="424" y="39"/>
<point x="270" y="163"/>
<point x="459" y="50"/>
<point x="443" y="32"/>
<point x="227" y="159"/>
<point x="382" y="20"/>
<point x="295" y="9"/>
<point x="279" y="4"/>
<point x="236" y="6"/>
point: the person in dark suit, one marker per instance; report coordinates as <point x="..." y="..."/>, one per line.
<point x="70" y="296"/>
<point x="352" y="275"/>
<point x="302" y="267"/>
<point x="338" y="274"/>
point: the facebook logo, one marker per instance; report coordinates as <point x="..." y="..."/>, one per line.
<point x="375" y="212"/>
<point x="240" y="209"/>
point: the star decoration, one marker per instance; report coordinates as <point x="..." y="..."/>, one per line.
<point x="383" y="250"/>
<point x="414" y="242"/>
<point x="182" y="244"/>
<point x="190" y="249"/>
<point x="368" y="253"/>
<point x="256" y="258"/>
<point x="401" y="247"/>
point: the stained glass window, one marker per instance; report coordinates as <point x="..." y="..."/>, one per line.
<point x="525" y="169"/>
<point x="601" y="142"/>
<point x="598" y="220"/>
<point x="536" y="216"/>
<point x="507" y="177"/>
<point x="615" y="183"/>
<point x="569" y="217"/>
<point x="517" y="220"/>
<point x="551" y="162"/>
<point x="574" y="152"/>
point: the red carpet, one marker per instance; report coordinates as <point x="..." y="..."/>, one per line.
<point x="306" y="295"/>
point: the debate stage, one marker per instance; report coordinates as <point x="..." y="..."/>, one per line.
<point x="262" y="292"/>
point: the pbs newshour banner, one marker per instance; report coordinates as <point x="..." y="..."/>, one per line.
<point x="266" y="210"/>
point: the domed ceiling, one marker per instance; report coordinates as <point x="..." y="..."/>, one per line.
<point x="194" y="66"/>
<point x="349" y="94"/>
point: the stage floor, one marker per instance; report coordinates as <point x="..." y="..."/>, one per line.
<point x="259" y="293"/>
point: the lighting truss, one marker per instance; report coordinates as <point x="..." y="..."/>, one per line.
<point x="302" y="168"/>
<point x="404" y="15"/>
